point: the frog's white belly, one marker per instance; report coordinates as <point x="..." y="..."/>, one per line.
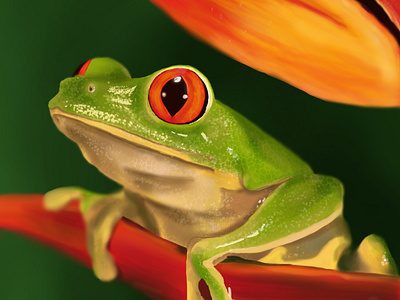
<point x="174" y="198"/>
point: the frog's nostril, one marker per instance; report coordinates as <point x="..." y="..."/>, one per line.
<point x="81" y="70"/>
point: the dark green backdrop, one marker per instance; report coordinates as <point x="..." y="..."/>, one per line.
<point x="43" y="42"/>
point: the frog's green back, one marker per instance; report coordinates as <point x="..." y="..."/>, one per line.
<point x="262" y="160"/>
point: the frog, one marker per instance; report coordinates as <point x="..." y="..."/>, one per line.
<point x="199" y="174"/>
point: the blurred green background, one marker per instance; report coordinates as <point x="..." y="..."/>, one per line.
<point x="42" y="42"/>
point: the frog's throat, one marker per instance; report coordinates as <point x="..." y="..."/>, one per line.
<point x="126" y="135"/>
<point x="226" y="179"/>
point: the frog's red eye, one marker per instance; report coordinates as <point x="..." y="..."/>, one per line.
<point x="178" y="96"/>
<point x="81" y="70"/>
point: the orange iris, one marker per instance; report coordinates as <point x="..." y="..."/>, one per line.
<point x="178" y="96"/>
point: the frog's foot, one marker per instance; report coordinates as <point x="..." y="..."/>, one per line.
<point x="57" y="199"/>
<point x="101" y="213"/>
<point x="201" y="261"/>
<point x="101" y="219"/>
<point x="372" y="256"/>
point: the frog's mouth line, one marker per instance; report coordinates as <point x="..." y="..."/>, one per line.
<point x="57" y="114"/>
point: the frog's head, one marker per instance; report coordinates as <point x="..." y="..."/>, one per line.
<point x="167" y="111"/>
<point x="102" y="86"/>
<point x="172" y="112"/>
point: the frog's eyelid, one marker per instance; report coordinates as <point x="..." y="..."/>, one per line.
<point x="81" y="70"/>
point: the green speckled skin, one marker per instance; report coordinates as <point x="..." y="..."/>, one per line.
<point x="234" y="143"/>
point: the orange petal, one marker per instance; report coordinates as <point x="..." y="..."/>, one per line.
<point x="157" y="267"/>
<point x="334" y="50"/>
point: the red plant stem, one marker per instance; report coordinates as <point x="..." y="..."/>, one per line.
<point x="157" y="267"/>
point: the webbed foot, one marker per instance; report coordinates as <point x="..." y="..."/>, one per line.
<point x="101" y="213"/>
<point x="59" y="198"/>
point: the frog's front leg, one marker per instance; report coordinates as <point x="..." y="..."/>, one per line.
<point x="101" y="213"/>
<point x="297" y="208"/>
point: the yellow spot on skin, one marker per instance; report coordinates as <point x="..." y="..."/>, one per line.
<point x="204" y="136"/>
<point x="120" y="94"/>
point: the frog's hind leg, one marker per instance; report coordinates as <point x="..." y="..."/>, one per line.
<point x="101" y="213"/>
<point x="297" y="208"/>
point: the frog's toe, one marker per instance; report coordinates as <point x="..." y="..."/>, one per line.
<point x="57" y="199"/>
<point x="105" y="268"/>
<point x="373" y="256"/>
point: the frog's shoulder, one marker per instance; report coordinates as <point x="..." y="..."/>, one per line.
<point x="262" y="159"/>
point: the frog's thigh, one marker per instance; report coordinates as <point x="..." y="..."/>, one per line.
<point x="322" y="249"/>
<point x="297" y="208"/>
<point x="100" y="220"/>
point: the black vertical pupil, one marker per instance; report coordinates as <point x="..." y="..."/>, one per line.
<point x="174" y="95"/>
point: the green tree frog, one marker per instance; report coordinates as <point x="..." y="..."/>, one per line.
<point x="197" y="173"/>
